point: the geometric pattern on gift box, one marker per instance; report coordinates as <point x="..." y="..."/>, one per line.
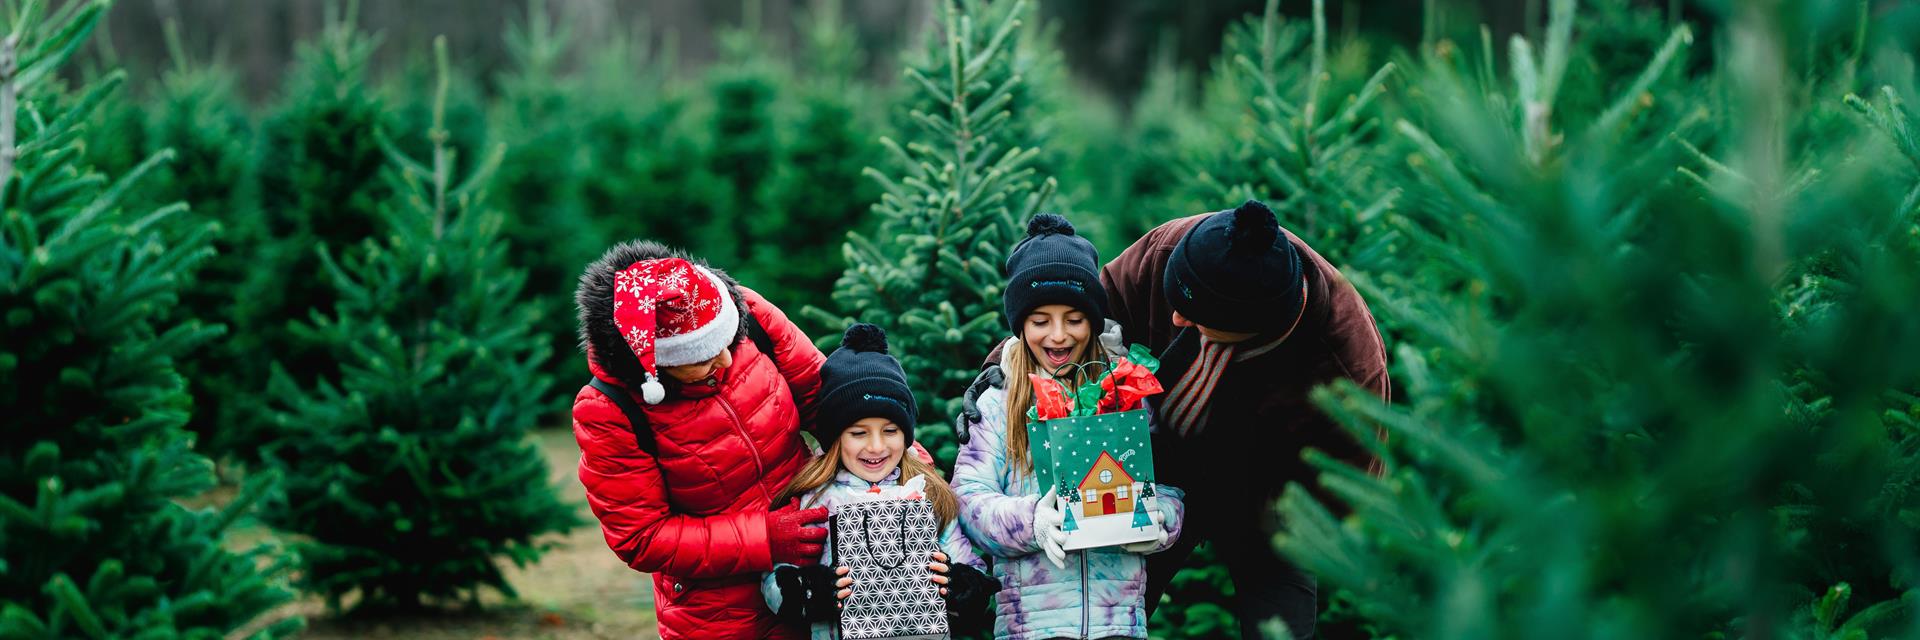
<point x="886" y="545"/>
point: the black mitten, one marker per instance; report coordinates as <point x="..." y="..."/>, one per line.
<point x="806" y="594"/>
<point x="970" y="596"/>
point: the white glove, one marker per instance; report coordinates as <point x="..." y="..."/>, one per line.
<point x="1147" y="546"/>
<point x="1047" y="520"/>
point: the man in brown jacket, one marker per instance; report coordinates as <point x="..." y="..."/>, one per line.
<point x="1247" y="320"/>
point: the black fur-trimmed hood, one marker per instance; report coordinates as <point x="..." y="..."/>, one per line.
<point x="600" y="339"/>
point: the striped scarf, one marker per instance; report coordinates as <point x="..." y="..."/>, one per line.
<point x="1187" y="405"/>
<point x="1189" y="402"/>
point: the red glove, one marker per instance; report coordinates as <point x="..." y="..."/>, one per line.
<point x="789" y="538"/>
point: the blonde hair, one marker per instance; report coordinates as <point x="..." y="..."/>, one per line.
<point x="1020" y="394"/>
<point x="820" y="470"/>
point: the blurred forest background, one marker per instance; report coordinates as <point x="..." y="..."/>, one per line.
<point x="1107" y="44"/>
<point x="288" y="333"/>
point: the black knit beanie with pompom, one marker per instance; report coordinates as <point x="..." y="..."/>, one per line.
<point x="861" y="380"/>
<point x="1052" y="265"/>
<point x="1236" y="271"/>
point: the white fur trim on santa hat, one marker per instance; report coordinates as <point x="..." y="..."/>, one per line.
<point x="701" y="345"/>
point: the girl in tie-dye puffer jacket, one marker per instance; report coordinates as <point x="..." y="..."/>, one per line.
<point x="1048" y="592"/>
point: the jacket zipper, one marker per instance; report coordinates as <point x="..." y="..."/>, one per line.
<point x="741" y="428"/>
<point x="1086" y="616"/>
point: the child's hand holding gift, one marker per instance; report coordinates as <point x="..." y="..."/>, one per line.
<point x="1047" y="523"/>
<point x="1160" y="537"/>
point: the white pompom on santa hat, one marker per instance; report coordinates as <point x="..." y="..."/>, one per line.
<point x="672" y="313"/>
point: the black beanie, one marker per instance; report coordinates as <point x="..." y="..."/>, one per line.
<point x="1053" y="266"/>
<point x="1236" y="271"/>
<point x="859" y="380"/>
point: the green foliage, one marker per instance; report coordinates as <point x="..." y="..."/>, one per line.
<point x="1303" y="135"/>
<point x="817" y="193"/>
<point x="652" y="174"/>
<point x="115" y="138"/>
<point x="198" y="113"/>
<point x="1139" y="177"/>
<point x="93" y="540"/>
<point x="744" y="92"/>
<point x="1195" y="603"/>
<point x="319" y="171"/>
<point x="409" y="473"/>
<point x="955" y="196"/>
<point x="412" y="110"/>
<point x="1653" y="362"/>
<point x="708" y="165"/>
<point x="540" y="182"/>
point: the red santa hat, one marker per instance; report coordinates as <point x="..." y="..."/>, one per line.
<point x="672" y="313"/>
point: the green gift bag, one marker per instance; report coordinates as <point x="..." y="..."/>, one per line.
<point x="1101" y="467"/>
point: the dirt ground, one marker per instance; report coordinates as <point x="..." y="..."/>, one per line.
<point x="579" y="590"/>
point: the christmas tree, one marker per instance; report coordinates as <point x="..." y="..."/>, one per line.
<point x="539" y="183"/>
<point x="1140" y="518"/>
<point x="320" y="185"/>
<point x="954" y="201"/>
<point x="94" y="541"/>
<point x="1654" y="373"/>
<point x="651" y="169"/>
<point x="744" y="91"/>
<point x="116" y="131"/>
<point x="1140" y="177"/>
<point x="1303" y="135"/>
<point x="198" y="113"/>
<point x="411" y="102"/>
<point x="408" y="474"/>
<point x="818" y="192"/>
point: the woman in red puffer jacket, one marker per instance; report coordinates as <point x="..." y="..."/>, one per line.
<point x="687" y="497"/>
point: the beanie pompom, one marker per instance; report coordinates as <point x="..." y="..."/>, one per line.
<point x="1046" y="223"/>
<point x="1253" y="230"/>
<point x="865" y="337"/>
<point x="652" y="391"/>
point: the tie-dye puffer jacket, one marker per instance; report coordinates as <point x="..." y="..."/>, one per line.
<point x="1101" y="593"/>
<point x="846" y="488"/>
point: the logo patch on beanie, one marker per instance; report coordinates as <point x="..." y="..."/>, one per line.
<point x="888" y="400"/>
<point x="1185" y="293"/>
<point x="1070" y="284"/>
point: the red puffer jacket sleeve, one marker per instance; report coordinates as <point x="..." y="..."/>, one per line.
<point x="799" y="360"/>
<point x="625" y="490"/>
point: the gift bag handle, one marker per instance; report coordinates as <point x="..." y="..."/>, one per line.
<point x="866" y="534"/>
<point x="1080" y="368"/>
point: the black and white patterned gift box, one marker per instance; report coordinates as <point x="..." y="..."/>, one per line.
<point x="886" y="545"/>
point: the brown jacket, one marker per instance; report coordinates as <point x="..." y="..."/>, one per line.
<point x="1262" y="417"/>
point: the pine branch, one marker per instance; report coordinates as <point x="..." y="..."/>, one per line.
<point x="9" y="107"/>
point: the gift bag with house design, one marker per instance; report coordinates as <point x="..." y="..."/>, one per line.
<point x="1095" y="449"/>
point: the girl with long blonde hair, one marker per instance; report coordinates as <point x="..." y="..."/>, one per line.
<point x="1056" y="309"/>
<point x="865" y="421"/>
